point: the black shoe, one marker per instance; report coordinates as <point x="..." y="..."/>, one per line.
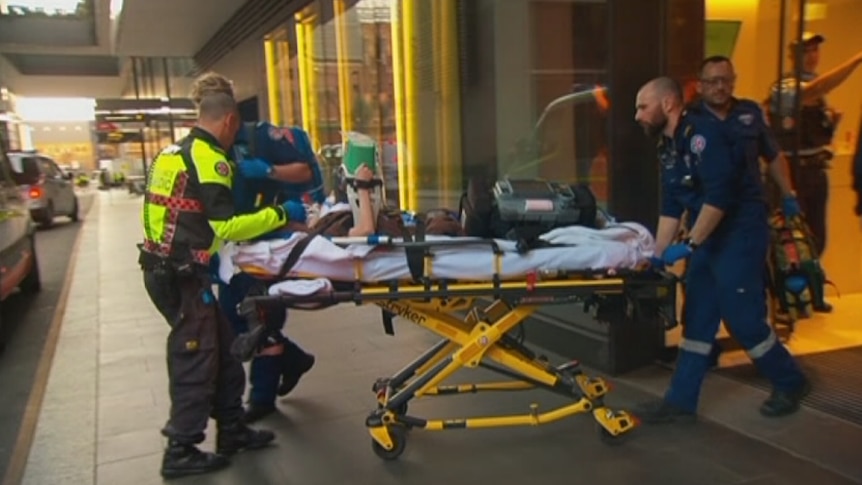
<point x="781" y="403"/>
<point x="293" y="371"/>
<point x="660" y="412"/>
<point x="256" y="412"/>
<point x="182" y="460"/>
<point x="237" y="437"/>
<point x="823" y="307"/>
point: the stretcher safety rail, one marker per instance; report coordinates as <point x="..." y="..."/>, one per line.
<point x="478" y="323"/>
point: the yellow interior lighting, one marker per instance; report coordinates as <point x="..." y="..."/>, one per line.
<point x="398" y="98"/>
<point x="411" y="105"/>
<point x="450" y="97"/>
<point x="282" y="50"/>
<point x="272" y="87"/>
<point x="344" y="91"/>
<point x="305" y="54"/>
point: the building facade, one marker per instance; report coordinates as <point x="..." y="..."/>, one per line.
<point x="456" y="89"/>
<point x="453" y="89"/>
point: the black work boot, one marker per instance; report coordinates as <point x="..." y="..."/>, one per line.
<point x="823" y="307"/>
<point x="782" y="403"/>
<point x="181" y="460"/>
<point x="296" y="364"/>
<point x="256" y="412"/>
<point x="661" y="412"/>
<point x="237" y="437"/>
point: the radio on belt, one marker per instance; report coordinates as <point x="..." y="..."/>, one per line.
<point x="537" y="201"/>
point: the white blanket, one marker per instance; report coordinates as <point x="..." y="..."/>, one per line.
<point x="621" y="246"/>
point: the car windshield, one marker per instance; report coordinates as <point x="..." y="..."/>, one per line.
<point x="25" y="171"/>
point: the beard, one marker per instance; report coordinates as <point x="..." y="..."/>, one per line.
<point x="654" y="128"/>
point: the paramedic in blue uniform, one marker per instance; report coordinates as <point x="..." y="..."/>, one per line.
<point x="705" y="173"/>
<point x="277" y="170"/>
<point x="746" y="124"/>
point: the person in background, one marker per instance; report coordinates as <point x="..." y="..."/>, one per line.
<point x="814" y="130"/>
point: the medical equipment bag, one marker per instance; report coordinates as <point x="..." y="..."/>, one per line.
<point x="522" y="210"/>
<point x="793" y="256"/>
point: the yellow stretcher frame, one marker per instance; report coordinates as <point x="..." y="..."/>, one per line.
<point x="481" y="336"/>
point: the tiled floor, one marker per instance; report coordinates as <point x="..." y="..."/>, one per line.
<point x="107" y="399"/>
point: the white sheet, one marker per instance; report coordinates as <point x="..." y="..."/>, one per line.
<point x="621" y="246"/>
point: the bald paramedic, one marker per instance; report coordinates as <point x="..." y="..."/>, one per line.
<point x="705" y="173"/>
<point x="188" y="212"/>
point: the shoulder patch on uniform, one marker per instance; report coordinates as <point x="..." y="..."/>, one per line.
<point x="222" y="168"/>
<point x="275" y="133"/>
<point x="698" y="144"/>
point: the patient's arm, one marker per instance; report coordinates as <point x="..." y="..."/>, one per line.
<point x="296" y="172"/>
<point x="365" y="226"/>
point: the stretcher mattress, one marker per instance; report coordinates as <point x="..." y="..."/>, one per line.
<point x="620" y="246"/>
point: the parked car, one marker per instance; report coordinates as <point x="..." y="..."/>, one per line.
<point x="49" y="191"/>
<point x="19" y="267"/>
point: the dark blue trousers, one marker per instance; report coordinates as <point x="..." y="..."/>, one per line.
<point x="726" y="281"/>
<point x="265" y="369"/>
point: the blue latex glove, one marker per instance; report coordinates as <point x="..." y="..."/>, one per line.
<point x="796" y="284"/>
<point x="255" y="168"/>
<point x="295" y="211"/>
<point x="656" y="263"/>
<point x="675" y="252"/>
<point x="790" y="206"/>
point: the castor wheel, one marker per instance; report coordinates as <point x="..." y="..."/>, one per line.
<point x="398" y="435"/>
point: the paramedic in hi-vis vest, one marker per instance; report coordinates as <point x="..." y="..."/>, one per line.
<point x="815" y="128"/>
<point x="188" y="212"/>
<point x="705" y="172"/>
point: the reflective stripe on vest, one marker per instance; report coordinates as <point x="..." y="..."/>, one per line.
<point x="169" y="182"/>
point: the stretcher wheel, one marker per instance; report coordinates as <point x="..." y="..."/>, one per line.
<point x="398" y="435"/>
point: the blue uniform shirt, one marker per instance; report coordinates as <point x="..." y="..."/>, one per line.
<point x="277" y="146"/>
<point x="702" y="164"/>
<point x="746" y="125"/>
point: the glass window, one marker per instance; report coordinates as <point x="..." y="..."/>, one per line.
<point x="385" y="68"/>
<point x="427" y="95"/>
<point x="282" y="78"/>
<point x="364" y="36"/>
<point x="566" y="76"/>
<point x="27" y="172"/>
<point x="317" y="58"/>
<point x="50" y="168"/>
<point x="537" y="88"/>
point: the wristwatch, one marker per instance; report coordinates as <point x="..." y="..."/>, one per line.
<point x="690" y="243"/>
